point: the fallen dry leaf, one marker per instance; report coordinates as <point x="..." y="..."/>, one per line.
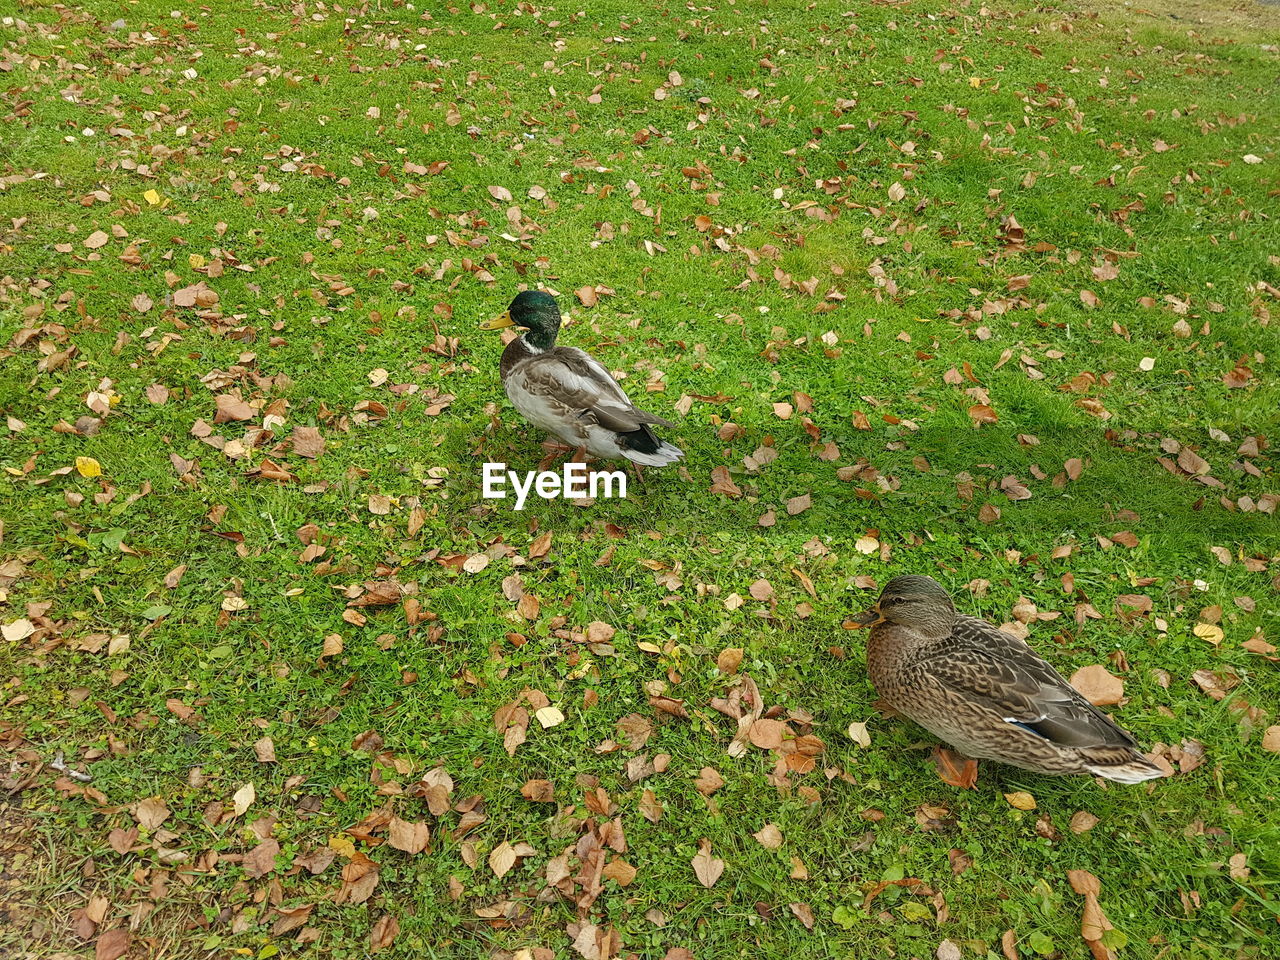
<point x="383" y="933"/>
<point x="729" y="660"/>
<point x="502" y="858"/>
<point x="1097" y="685"/>
<point x="408" y="836"/>
<point x="1020" y="800"/>
<point x="709" y="781"/>
<point x="769" y="836"/>
<point x="1271" y="739"/>
<point x="112" y="944"/>
<point x="804" y="913"/>
<point x="707" y="868"/>
<point x="1082" y="821"/>
<point x="954" y="769"/>
<point x="539" y="791"/>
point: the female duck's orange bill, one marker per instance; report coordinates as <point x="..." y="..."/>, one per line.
<point x="868" y="618"/>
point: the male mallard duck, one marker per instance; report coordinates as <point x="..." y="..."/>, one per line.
<point x="568" y="393"/>
<point x="986" y="692"/>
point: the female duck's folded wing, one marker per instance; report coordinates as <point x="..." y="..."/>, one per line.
<point x="1025" y="691"/>
<point x="577" y="381"/>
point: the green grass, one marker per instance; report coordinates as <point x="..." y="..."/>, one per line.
<point x="282" y="160"/>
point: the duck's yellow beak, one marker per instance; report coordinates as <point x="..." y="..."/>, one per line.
<point x="869" y="618"/>
<point x="497" y="323"/>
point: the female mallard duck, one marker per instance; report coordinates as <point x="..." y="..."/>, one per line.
<point x="569" y="393"/>
<point x="986" y="692"/>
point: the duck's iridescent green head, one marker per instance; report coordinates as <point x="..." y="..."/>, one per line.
<point x="537" y="312"/>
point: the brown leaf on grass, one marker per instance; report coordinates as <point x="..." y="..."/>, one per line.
<point x="539" y="791"/>
<point x="1271" y="739"/>
<point x="409" y="836"/>
<point x="1193" y="463"/>
<point x="954" y="769"/>
<point x="1098" y="686"/>
<point x="650" y="806"/>
<point x="1093" y="922"/>
<point x="1082" y="821"/>
<point x="1239" y="376"/>
<point x="988" y="513"/>
<point x="1020" y="800"/>
<point x="709" y="781"/>
<point x="767" y="734"/>
<point x="379" y="593"/>
<point x="599" y="632"/>
<point x="122" y="841"/>
<point x="722" y="483"/>
<point x="729" y="660"/>
<point x="619" y="871"/>
<point x="540" y="546"/>
<point x="502" y="858"/>
<point x="359" y="880"/>
<point x="1214" y="684"/>
<point x="981" y="413"/>
<point x="158" y="394"/>
<point x="174" y="576"/>
<point x="316" y="860"/>
<point x="636" y="729"/>
<point x="769" y="836"/>
<point x="370" y="741"/>
<point x="232" y="408"/>
<point x="587" y="295"/>
<point x="307" y="442"/>
<point x="707" y="868"/>
<point x="291" y="918"/>
<point x="265" y="750"/>
<point x="112" y="944"/>
<point x="803" y="913"/>
<point x="151" y="812"/>
<point x="384" y="933"/>
<point x="800" y="504"/>
<point x="261" y="860"/>
<point x="675" y="708"/>
<point x="761" y="590"/>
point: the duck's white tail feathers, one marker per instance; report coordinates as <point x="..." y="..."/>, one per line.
<point x="1135" y="771"/>
<point x="666" y="453"/>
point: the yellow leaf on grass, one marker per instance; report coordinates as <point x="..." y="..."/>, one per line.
<point x="549" y="717"/>
<point x="88" y="467"/>
<point x="1208" y="631"/>
<point x="153" y="197"/>
<point x="243" y="799"/>
<point x="1021" y="800"/>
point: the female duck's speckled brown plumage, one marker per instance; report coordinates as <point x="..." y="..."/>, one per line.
<point x="986" y="692"/>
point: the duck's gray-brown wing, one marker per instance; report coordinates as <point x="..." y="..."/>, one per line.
<point x="568" y="378"/>
<point x="985" y="665"/>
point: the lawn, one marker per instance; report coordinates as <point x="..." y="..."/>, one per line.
<point x="985" y="291"/>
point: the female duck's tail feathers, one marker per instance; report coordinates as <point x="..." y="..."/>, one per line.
<point x="665" y="453"/>
<point x="1128" y="766"/>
